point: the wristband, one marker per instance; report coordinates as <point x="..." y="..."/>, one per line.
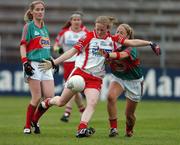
<point x="24" y="59"/>
<point x="52" y="62"/>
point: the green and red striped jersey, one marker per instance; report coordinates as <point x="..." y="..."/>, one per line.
<point x="37" y="42"/>
<point x="128" y="68"/>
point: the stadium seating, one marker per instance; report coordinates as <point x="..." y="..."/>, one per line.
<point x="156" y="20"/>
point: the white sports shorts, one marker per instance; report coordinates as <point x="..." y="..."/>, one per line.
<point x="133" y="88"/>
<point x="39" y="75"/>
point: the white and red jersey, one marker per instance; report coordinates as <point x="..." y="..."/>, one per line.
<point x="67" y="38"/>
<point x="89" y="59"/>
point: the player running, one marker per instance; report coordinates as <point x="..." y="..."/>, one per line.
<point x="90" y="65"/>
<point x="126" y="77"/>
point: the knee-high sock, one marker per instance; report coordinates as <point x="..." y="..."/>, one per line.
<point x="39" y="112"/>
<point x="29" y="115"/>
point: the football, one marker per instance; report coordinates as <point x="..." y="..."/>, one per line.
<point x="76" y="83"/>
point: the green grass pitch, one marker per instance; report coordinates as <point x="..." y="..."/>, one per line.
<point x="158" y="123"/>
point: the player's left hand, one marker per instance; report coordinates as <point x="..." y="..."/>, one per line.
<point x="156" y="48"/>
<point x="45" y="65"/>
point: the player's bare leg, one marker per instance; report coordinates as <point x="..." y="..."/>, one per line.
<point x="114" y="92"/>
<point x="68" y="110"/>
<point x="79" y="102"/>
<point x="35" y="88"/>
<point x="92" y="97"/>
<point x="130" y="116"/>
<point x="47" y="88"/>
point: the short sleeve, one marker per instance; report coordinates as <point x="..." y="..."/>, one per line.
<point x="83" y="41"/>
<point x="25" y="35"/>
<point x="60" y="37"/>
<point x="118" y="39"/>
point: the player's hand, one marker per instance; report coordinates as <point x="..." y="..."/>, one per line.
<point x="103" y="53"/>
<point x="28" y="68"/>
<point x="46" y="65"/>
<point x="156" y="48"/>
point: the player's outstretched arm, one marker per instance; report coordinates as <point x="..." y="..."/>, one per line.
<point x="139" y="42"/>
<point x="48" y="64"/>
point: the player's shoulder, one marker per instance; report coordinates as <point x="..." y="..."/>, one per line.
<point x="84" y="28"/>
<point x="27" y="25"/>
<point x="63" y="31"/>
<point x="88" y="35"/>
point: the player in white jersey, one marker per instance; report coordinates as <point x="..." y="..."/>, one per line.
<point x="68" y="36"/>
<point x="90" y="65"/>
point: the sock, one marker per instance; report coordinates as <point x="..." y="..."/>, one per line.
<point x="39" y="112"/>
<point x="29" y="115"/>
<point x="68" y="111"/>
<point x="81" y="108"/>
<point x="82" y="125"/>
<point x="113" y="123"/>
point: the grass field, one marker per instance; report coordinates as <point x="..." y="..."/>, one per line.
<point x="158" y="123"/>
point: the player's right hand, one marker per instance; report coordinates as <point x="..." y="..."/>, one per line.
<point x="45" y="65"/>
<point x="28" y="68"/>
<point x="103" y="53"/>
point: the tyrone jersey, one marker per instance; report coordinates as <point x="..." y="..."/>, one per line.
<point x="68" y="38"/>
<point x="37" y="42"/>
<point x="89" y="59"/>
<point x="128" y="68"/>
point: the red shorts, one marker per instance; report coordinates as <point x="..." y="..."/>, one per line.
<point x="90" y="80"/>
<point x="68" y="67"/>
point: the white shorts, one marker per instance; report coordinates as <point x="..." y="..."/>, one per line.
<point x="39" y="75"/>
<point x="133" y="88"/>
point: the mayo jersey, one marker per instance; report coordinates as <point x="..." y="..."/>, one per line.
<point x="128" y="68"/>
<point x="37" y="42"/>
<point x="68" y="38"/>
<point x="89" y="59"/>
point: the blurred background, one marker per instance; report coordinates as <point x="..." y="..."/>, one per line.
<point x="155" y="20"/>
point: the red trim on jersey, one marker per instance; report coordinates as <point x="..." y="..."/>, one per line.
<point x="24" y="59"/>
<point x="24" y="33"/>
<point x="60" y="34"/>
<point x="23" y="42"/>
<point x="122" y="40"/>
<point x="115" y="46"/>
<point x="118" y="55"/>
<point x="86" y="56"/>
<point x="118" y="39"/>
<point x="83" y="41"/>
<point x="34" y="44"/>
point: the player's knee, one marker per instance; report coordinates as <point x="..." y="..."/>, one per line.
<point x="35" y="101"/>
<point x="92" y="103"/>
<point x="61" y="103"/>
<point x="111" y="98"/>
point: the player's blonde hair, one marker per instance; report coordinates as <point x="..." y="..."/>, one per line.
<point x="28" y="16"/>
<point x="106" y="20"/>
<point x="129" y="30"/>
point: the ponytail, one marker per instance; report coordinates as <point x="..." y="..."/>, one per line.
<point x="28" y="16"/>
